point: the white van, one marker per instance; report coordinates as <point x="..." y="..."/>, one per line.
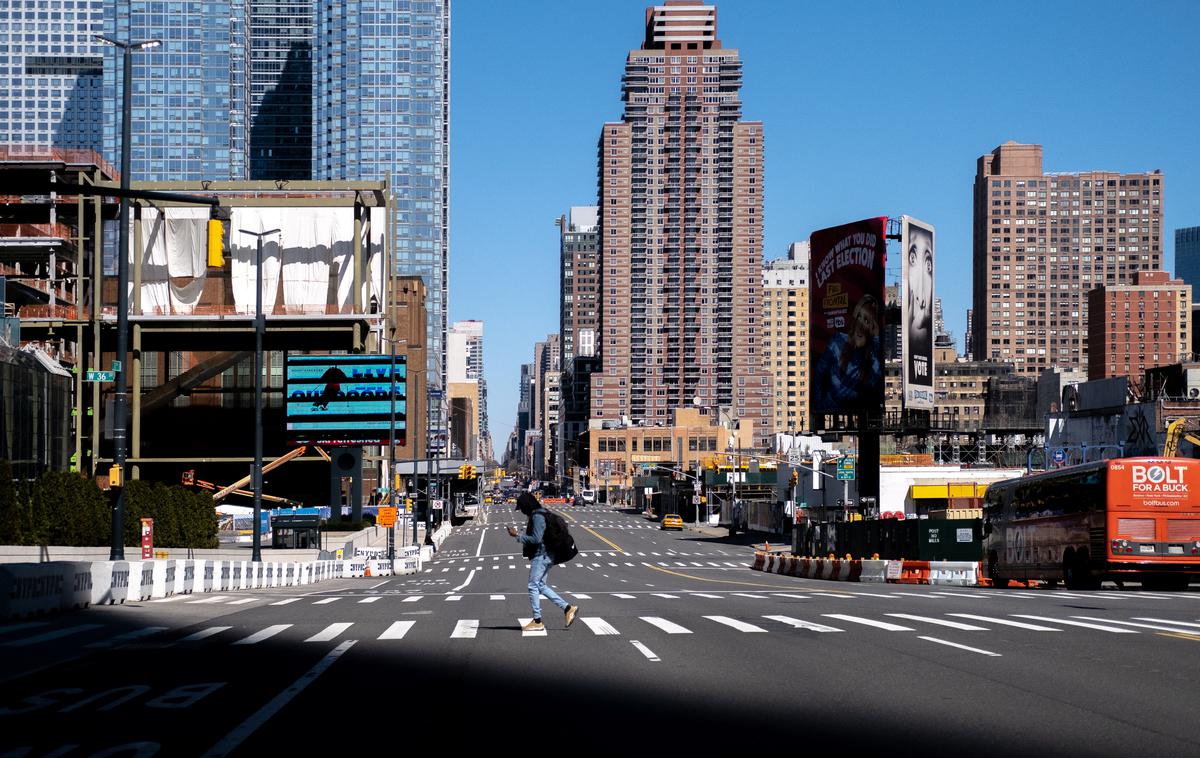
<point x="588" y="497"/>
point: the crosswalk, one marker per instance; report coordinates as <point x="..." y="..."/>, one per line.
<point x="973" y="625"/>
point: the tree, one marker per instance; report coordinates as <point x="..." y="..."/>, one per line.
<point x="10" y="516"/>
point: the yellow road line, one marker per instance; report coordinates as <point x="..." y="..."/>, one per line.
<point x="1181" y="636"/>
<point x="610" y="543"/>
<point x="746" y="584"/>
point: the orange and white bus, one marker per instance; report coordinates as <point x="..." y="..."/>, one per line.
<point x="1135" y="519"/>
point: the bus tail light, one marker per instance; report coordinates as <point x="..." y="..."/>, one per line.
<point x="1119" y="546"/>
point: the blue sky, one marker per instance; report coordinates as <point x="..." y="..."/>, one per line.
<point x="869" y="108"/>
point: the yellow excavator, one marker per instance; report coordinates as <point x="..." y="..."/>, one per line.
<point x="1176" y="431"/>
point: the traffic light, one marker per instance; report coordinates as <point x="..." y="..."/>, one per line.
<point x="795" y="477"/>
<point x="466" y="471"/>
<point x="216" y="243"/>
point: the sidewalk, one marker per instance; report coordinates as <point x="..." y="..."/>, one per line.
<point x="370" y="537"/>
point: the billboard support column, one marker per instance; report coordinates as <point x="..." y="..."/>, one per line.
<point x="345" y="462"/>
<point x="868" y="463"/>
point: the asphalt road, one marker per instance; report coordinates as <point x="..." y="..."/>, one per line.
<point x="679" y="646"/>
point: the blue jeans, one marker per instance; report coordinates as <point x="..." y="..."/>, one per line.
<point x="539" y="569"/>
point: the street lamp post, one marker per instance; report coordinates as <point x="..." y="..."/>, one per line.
<point x="121" y="399"/>
<point x="260" y="326"/>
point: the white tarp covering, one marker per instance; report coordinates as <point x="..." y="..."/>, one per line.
<point x="173" y="259"/>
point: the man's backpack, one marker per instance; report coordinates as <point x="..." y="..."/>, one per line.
<point x="560" y="546"/>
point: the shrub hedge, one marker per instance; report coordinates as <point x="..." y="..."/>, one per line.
<point x="68" y="510"/>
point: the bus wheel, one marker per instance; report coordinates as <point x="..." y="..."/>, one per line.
<point x="1070" y="571"/>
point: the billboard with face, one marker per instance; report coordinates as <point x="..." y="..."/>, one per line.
<point x="917" y="313"/>
<point x="846" y="321"/>
<point x="345" y="400"/>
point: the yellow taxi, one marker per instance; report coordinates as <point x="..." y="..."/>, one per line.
<point x="671" y="521"/>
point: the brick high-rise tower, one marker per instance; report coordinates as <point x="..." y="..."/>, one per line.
<point x="681" y="232"/>
<point x="1042" y="241"/>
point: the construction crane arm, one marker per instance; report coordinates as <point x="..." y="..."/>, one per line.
<point x="1175" y="432"/>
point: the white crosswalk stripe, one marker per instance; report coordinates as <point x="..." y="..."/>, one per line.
<point x="1099" y="627"/>
<point x="453" y="598"/>
<point x="940" y="622"/>
<point x="622" y="596"/>
<point x="663" y="594"/>
<point x="264" y="634"/>
<point x="289" y="601"/>
<point x="205" y="633"/>
<point x="702" y="594"/>
<point x="752" y="597"/>
<point x="741" y="626"/>
<point x="327" y="601"/>
<point x="412" y="599"/>
<point x="243" y="601"/>
<point x="375" y="599"/>
<point x="868" y="622"/>
<point x="330" y="632"/>
<point x="1006" y="622"/>
<point x="497" y="597"/>
<point x="669" y="627"/>
<point x="797" y="597"/>
<point x="213" y="599"/>
<point x="121" y="639"/>
<point x="397" y="630"/>
<point x="54" y="635"/>
<point x="1166" y="621"/>
<point x="1156" y="627"/>
<point x="465" y="629"/>
<point x="800" y="624"/>
<point x="598" y="626"/>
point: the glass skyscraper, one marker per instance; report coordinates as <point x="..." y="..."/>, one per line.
<point x="381" y="109"/>
<point x="189" y="94"/>
<point x="51" y="69"/>
<point x="1187" y="257"/>
<point x="281" y="40"/>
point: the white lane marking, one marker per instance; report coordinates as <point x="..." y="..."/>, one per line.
<point x="288" y="601"/>
<point x="259" y="636"/>
<point x="663" y="594"/>
<point x="128" y="636"/>
<point x="1006" y="622"/>
<point x="397" y="630"/>
<point x="960" y="647"/>
<point x="752" y="597"/>
<point x="56" y="634"/>
<point x="525" y="621"/>
<point x="330" y="632"/>
<point x="203" y="633"/>
<point x="702" y="594"/>
<point x="497" y="597"/>
<point x="213" y="599"/>
<point x="1165" y="621"/>
<point x="1112" y="629"/>
<point x="235" y="738"/>
<point x="512" y="566"/>
<point x="645" y="651"/>
<point x="741" y="626"/>
<point x="669" y="627"/>
<point x="169" y="599"/>
<point x="243" y="601"/>
<point x="797" y="597"/>
<point x="598" y="625"/>
<point x="412" y="599"/>
<point x="465" y="629"/>
<point x="623" y="597"/>
<point x="19" y="627"/>
<point x="479" y="549"/>
<point x="1142" y="626"/>
<point x="940" y="622"/>
<point x="453" y="598"/>
<point x="327" y="601"/>
<point x="377" y="586"/>
<point x="375" y="599"/>
<point x="868" y="622"/>
<point x="581" y="596"/>
<point x="799" y="624"/>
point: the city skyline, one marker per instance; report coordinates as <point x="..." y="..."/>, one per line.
<point x="820" y="133"/>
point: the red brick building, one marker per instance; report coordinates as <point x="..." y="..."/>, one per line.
<point x="1133" y="327"/>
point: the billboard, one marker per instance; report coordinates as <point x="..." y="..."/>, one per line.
<point x="916" y="312"/>
<point x="846" y="322"/>
<point x="345" y="399"/>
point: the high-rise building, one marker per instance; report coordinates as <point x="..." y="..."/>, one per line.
<point x="1187" y="255"/>
<point x="281" y="40"/>
<point x="1043" y="240"/>
<point x="381" y="110"/>
<point x="785" y="336"/>
<point x="681" y="231"/>
<point x="190" y="94"/>
<point x="579" y="282"/>
<point x="1133" y="327"/>
<point x="464" y="360"/>
<point x="51" y="71"/>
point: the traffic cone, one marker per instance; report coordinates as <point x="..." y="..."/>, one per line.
<point x="368" y="571"/>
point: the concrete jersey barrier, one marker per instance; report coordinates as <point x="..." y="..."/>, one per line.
<point x="955" y="573"/>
